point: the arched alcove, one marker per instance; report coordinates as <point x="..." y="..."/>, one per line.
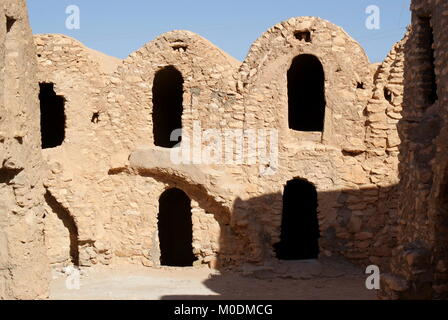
<point x="167" y="101"/>
<point x="306" y="94"/>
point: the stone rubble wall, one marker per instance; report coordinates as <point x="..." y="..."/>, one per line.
<point x="24" y="272"/>
<point x="115" y="211"/>
<point x="382" y="155"/>
<point x="379" y="166"/>
<point x="108" y="176"/>
<point x="420" y="261"/>
<point x="343" y="163"/>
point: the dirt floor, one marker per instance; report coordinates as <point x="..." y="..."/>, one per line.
<point x="295" y="280"/>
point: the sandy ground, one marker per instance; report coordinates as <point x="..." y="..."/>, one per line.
<point x="304" y="280"/>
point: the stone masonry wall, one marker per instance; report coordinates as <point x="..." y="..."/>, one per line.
<point x="379" y="165"/>
<point x="420" y="261"/>
<point x="24" y="272"/>
<point x="114" y="211"/>
<point x="353" y="199"/>
<point x="108" y="175"/>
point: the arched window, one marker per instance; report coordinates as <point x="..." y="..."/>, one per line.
<point x="167" y="98"/>
<point x="300" y="234"/>
<point x="306" y="94"/>
<point x="175" y="229"/>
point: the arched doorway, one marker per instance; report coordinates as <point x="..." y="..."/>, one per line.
<point x="167" y="98"/>
<point x="299" y="238"/>
<point x="306" y="94"/>
<point x="175" y="229"/>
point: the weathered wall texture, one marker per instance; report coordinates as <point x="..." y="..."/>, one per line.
<point x="420" y="264"/>
<point x="379" y="165"/>
<point x="76" y="167"/>
<point x="343" y="162"/>
<point x="107" y="176"/>
<point x="381" y="161"/>
<point x="23" y="264"/>
<point x="115" y="213"/>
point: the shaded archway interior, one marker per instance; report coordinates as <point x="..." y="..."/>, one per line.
<point x="167" y="111"/>
<point x="175" y="229"/>
<point x="306" y="94"/>
<point x="53" y="119"/>
<point x="300" y="234"/>
<point x="69" y="223"/>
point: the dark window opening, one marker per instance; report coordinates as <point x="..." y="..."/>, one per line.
<point x="9" y="23"/>
<point x="69" y="222"/>
<point x="8" y="175"/>
<point x="180" y="48"/>
<point x="306" y="94"/>
<point x="299" y="239"/>
<point x="52" y="116"/>
<point x="167" y="111"/>
<point x="175" y="229"/>
<point x="303" y="36"/>
<point x="388" y="95"/>
<point x="360" y="85"/>
<point x="95" y="117"/>
<point x="426" y="45"/>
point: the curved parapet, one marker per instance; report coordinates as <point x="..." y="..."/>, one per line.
<point x="207" y="85"/>
<point x="187" y="42"/>
<point x="321" y="36"/>
<point x="264" y="80"/>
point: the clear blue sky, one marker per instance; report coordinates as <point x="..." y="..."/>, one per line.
<point x="118" y="27"/>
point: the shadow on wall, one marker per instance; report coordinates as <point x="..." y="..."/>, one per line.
<point x="421" y="262"/>
<point x="68" y="222"/>
<point x="305" y="232"/>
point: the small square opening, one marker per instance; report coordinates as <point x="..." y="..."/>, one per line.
<point x="303" y="36"/>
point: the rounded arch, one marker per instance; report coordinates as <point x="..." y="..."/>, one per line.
<point x="269" y="44"/>
<point x="345" y="64"/>
<point x="194" y="57"/>
<point x="306" y="94"/>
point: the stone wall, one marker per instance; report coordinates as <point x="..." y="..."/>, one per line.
<point x="381" y="161"/>
<point x="378" y="166"/>
<point x="114" y="211"/>
<point x="420" y="263"/>
<point x="107" y="176"/>
<point x="24" y="272"/>
<point x="345" y="162"/>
